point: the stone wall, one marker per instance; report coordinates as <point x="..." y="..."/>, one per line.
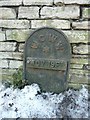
<point x="18" y="18"/>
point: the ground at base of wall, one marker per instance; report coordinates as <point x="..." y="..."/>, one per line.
<point x="29" y="102"/>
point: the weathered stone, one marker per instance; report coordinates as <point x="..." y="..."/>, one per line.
<point x="72" y="1"/>
<point x="2" y="36"/>
<point x="10" y="2"/>
<point x="11" y="55"/>
<point x="76" y="66"/>
<point x="3" y="64"/>
<point x="11" y="75"/>
<point x="75" y="86"/>
<point x="6" y="78"/>
<point x="15" y="64"/>
<point x="0" y="76"/>
<point x="8" y="46"/>
<point x="80" y="60"/>
<point x="46" y="59"/>
<point x="76" y="36"/>
<point x="64" y="24"/>
<point x="86" y="66"/>
<point x="79" y="72"/>
<point x="14" y="24"/>
<point x="7" y="13"/>
<point x="28" y="12"/>
<point x="38" y="2"/>
<point x="7" y="75"/>
<point x="61" y="12"/>
<point x="81" y="49"/>
<point x="81" y="25"/>
<point x="21" y="47"/>
<point x="80" y="56"/>
<point x="86" y="12"/>
<point x="8" y="71"/>
<point x="18" y="35"/>
<point x="78" y="79"/>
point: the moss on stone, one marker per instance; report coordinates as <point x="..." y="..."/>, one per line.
<point x="6" y="77"/>
<point x="75" y="86"/>
<point x="18" y="35"/>
<point x="78" y="79"/>
<point x="86" y="12"/>
<point x="80" y="60"/>
<point x="17" y="79"/>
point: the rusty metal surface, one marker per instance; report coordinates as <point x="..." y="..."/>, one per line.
<point x="46" y="59"/>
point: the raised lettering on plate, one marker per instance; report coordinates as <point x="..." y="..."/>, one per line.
<point x="34" y="45"/>
<point x="59" y="46"/>
<point x="42" y="38"/>
<point x="46" y="63"/>
<point x="46" y="49"/>
<point x="52" y="37"/>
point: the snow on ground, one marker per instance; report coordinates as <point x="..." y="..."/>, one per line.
<point x="30" y="103"/>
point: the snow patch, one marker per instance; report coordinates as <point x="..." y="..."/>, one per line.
<point x="30" y="103"/>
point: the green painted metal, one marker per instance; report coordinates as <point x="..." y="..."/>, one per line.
<point x="46" y="59"/>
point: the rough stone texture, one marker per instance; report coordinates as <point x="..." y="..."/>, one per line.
<point x="6" y="78"/>
<point x="78" y="79"/>
<point x="79" y="72"/>
<point x="7" y="74"/>
<point x="8" y="71"/>
<point x="28" y="12"/>
<point x="2" y="36"/>
<point x="87" y="67"/>
<point x="10" y="2"/>
<point x="11" y="55"/>
<point x="81" y="49"/>
<point x="0" y="76"/>
<point x="76" y="66"/>
<point x="72" y="1"/>
<point x="86" y="12"/>
<point x="7" y="13"/>
<point x="15" y="64"/>
<point x="80" y="61"/>
<point x="75" y="86"/>
<point x="18" y="35"/>
<point x="3" y="64"/>
<point x="14" y="24"/>
<point x="76" y="36"/>
<point x="64" y="24"/>
<point x="79" y="56"/>
<point x="81" y="25"/>
<point x="38" y="2"/>
<point x="8" y="46"/>
<point x="21" y="47"/>
<point x="60" y="12"/>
